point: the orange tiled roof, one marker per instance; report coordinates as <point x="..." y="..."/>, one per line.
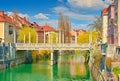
<point x="5" y="18"/>
<point x="105" y="11"/>
<point x="47" y="28"/>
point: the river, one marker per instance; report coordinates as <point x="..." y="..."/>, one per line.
<point x="69" y="68"/>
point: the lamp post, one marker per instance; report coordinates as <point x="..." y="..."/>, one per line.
<point x="14" y="36"/>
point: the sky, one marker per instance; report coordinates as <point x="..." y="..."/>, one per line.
<point x="80" y="12"/>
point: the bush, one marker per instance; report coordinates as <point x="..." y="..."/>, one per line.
<point x="116" y="70"/>
<point x="98" y="59"/>
<point x="108" y="62"/>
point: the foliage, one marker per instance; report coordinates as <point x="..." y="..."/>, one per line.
<point x="108" y="62"/>
<point x="77" y="51"/>
<point x="96" y="25"/>
<point x="97" y="61"/>
<point x="116" y="70"/>
<point x="84" y="37"/>
<point x="44" y="54"/>
<point x="25" y="31"/>
<point x="34" y="53"/>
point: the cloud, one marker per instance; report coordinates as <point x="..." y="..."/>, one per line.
<point x="54" y="24"/>
<point x="93" y="4"/>
<point x="66" y="11"/>
<point x="41" y="16"/>
<point x="20" y="14"/>
<point x="51" y="22"/>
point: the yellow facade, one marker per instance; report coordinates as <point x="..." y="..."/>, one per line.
<point x="1" y="30"/>
<point x="4" y="32"/>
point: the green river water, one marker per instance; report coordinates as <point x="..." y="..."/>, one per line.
<point x="69" y="68"/>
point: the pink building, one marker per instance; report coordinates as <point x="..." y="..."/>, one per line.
<point x="117" y="22"/>
<point x="110" y="31"/>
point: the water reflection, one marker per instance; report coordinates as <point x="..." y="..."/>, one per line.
<point x="73" y="67"/>
<point x="70" y="67"/>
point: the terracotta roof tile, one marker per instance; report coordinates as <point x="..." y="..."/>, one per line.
<point x="47" y="28"/>
<point x="105" y="11"/>
<point x="5" y="18"/>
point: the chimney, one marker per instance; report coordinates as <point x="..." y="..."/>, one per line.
<point x="26" y="19"/>
<point x="35" y="23"/>
<point x="1" y="13"/>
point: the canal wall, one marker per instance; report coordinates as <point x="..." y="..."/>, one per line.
<point x="20" y="57"/>
<point x="96" y="73"/>
<point x="7" y="55"/>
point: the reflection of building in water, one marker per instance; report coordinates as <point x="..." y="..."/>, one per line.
<point x="77" y="67"/>
<point x="44" y="70"/>
<point x="72" y="66"/>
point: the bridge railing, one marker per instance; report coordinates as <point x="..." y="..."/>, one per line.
<point x="42" y="46"/>
<point x="49" y="45"/>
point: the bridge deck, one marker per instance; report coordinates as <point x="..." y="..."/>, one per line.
<point x="41" y="46"/>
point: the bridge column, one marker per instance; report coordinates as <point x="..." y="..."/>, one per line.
<point x="51" y="58"/>
<point x="44" y="37"/>
<point x="59" y="36"/>
<point x="62" y="37"/>
<point x="24" y="38"/>
<point x="75" y="37"/>
<point x="36" y="37"/>
<point x="60" y="52"/>
<point x="14" y="36"/>
<point x="90" y="37"/>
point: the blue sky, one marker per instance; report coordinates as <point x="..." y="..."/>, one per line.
<point x="80" y="12"/>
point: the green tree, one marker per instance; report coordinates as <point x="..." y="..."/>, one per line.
<point x="25" y="32"/>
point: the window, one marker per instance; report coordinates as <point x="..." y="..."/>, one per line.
<point x="10" y="29"/>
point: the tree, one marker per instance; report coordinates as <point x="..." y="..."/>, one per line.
<point x="108" y="62"/>
<point x="25" y="32"/>
<point x="97" y="25"/>
<point x="64" y="26"/>
<point x="23" y="35"/>
<point x="84" y="37"/>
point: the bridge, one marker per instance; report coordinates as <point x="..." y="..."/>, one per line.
<point x="42" y="46"/>
<point x="52" y="47"/>
<point x="59" y="45"/>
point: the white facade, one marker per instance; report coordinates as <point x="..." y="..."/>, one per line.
<point x="105" y="28"/>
